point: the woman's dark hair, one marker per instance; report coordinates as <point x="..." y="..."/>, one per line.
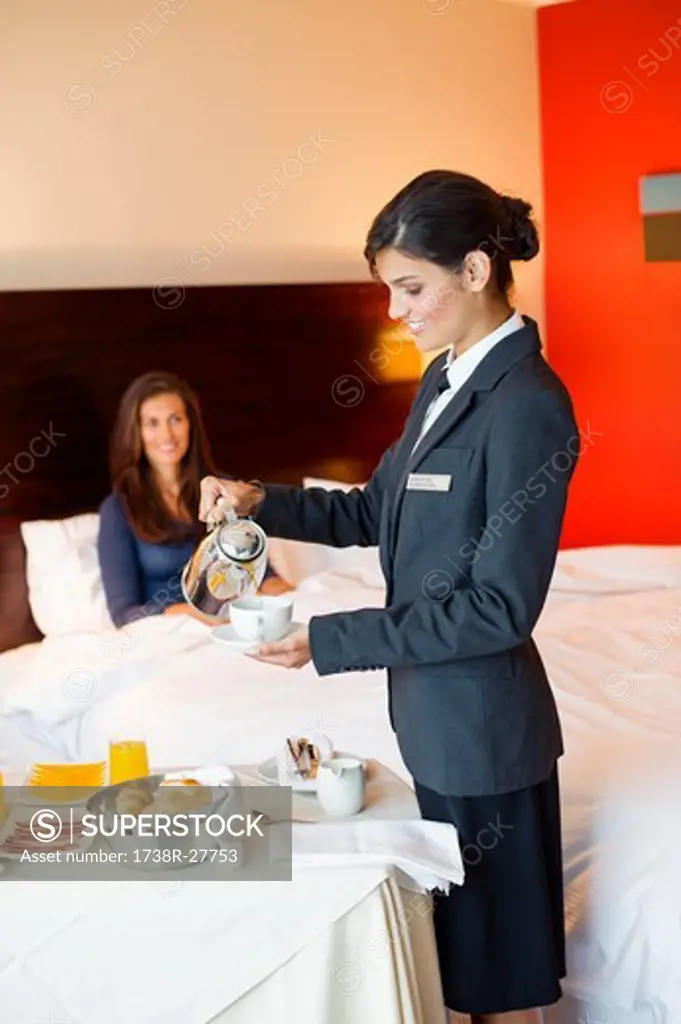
<point x="130" y="471"/>
<point x="441" y="216"/>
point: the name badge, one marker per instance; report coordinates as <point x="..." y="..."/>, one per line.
<point x="429" y="482"/>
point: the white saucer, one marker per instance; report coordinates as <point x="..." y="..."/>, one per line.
<point x="227" y="635"/>
<point x="268" y="771"/>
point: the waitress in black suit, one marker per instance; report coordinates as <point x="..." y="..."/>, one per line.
<point x="466" y="508"/>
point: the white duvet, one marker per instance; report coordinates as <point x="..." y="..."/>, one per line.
<point x="610" y="636"/>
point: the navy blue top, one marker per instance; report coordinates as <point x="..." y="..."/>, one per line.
<point x="140" y="577"/>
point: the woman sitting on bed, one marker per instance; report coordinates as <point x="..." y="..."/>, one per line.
<point x="148" y="527"/>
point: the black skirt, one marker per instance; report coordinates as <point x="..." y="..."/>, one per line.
<point x="501" y="935"/>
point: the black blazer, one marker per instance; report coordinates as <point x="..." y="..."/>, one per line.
<point x="467" y="570"/>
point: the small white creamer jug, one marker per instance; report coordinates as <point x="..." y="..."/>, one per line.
<point x="341" y="786"/>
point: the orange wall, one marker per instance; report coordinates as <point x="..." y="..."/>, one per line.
<point x="614" y="321"/>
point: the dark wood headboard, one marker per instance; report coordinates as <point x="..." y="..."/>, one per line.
<point x="285" y="374"/>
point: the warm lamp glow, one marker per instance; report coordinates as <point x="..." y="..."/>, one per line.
<point x="394" y="357"/>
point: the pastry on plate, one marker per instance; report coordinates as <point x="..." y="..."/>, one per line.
<point x="304" y="756"/>
<point x="132" y="800"/>
<point x="180" y="799"/>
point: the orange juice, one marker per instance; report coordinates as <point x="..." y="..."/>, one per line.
<point x="127" y="760"/>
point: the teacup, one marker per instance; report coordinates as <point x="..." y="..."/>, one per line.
<point x="261" y="618"/>
<point x="341" y="786"/>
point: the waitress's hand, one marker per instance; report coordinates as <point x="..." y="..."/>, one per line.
<point x="245" y="497"/>
<point x="293" y="652"/>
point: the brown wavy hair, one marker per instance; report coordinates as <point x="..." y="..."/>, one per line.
<point x="131" y="477"/>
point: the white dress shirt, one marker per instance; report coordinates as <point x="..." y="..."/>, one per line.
<point x="460" y="368"/>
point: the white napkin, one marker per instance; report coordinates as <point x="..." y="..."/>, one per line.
<point x="426" y="852"/>
<point x="388" y="832"/>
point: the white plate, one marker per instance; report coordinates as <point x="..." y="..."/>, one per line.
<point x="267" y="771"/>
<point x="34" y="796"/>
<point x="227" y="635"/>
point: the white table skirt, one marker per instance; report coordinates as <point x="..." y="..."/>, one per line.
<point x="377" y="964"/>
<point x="361" y="949"/>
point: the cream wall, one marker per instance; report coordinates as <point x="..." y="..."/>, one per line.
<point x="226" y="141"/>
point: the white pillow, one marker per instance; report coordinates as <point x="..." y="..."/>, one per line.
<point x="295" y="560"/>
<point x="617" y="569"/>
<point x="65" y="588"/>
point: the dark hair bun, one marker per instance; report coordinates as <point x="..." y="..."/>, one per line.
<point x="522" y="230"/>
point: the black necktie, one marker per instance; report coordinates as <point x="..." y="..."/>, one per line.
<point x="443" y="384"/>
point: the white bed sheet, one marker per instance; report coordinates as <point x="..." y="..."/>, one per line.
<point x="16" y="748"/>
<point x="620" y="779"/>
<point x="194" y="700"/>
<point x="610" y="638"/>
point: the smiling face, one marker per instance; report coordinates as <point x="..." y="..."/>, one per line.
<point x="165" y="429"/>
<point x="437" y="306"/>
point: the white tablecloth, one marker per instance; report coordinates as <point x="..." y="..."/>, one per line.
<point x="334" y="948"/>
<point x="335" y="945"/>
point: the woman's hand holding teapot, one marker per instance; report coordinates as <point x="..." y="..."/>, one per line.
<point x="245" y="497"/>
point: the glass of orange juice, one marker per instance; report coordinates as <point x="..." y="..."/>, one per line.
<point x="128" y="759"/>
